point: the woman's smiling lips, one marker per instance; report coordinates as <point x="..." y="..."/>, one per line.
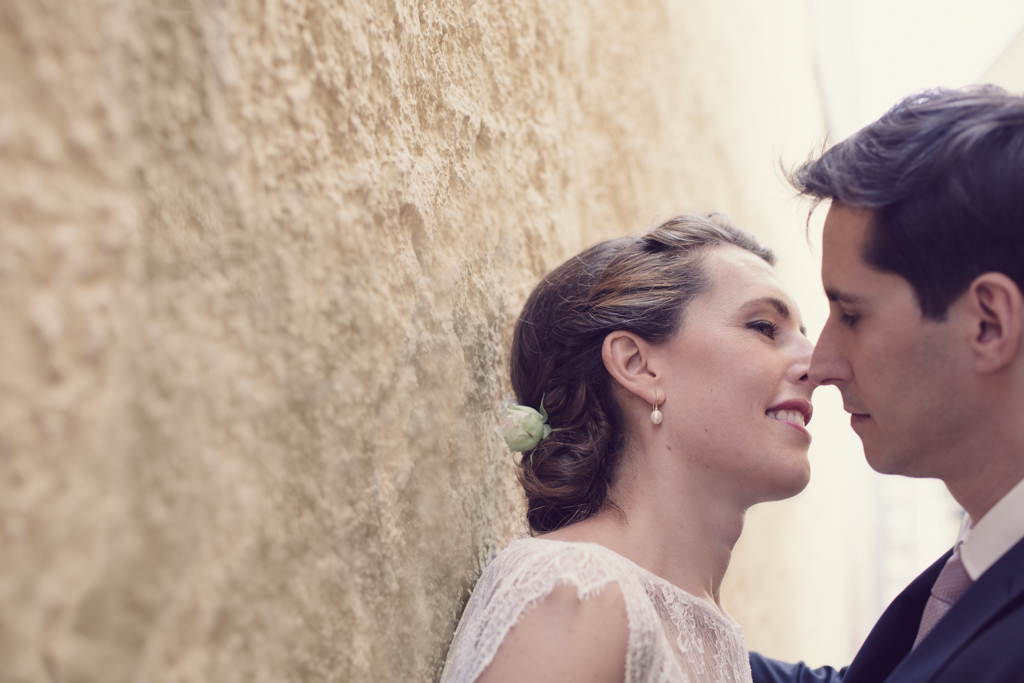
<point x="795" y="413"/>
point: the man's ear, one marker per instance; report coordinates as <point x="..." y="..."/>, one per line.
<point x="627" y="358"/>
<point x="994" y="304"/>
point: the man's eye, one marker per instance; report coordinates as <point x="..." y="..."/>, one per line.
<point x="849" y="319"/>
<point x="765" y="327"/>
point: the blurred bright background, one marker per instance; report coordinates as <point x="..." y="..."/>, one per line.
<point x="870" y="53"/>
<point x="860" y="537"/>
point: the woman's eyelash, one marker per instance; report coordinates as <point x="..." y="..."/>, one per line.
<point x="765" y="327"/>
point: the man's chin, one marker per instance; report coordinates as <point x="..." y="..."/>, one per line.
<point x="883" y="460"/>
<point x="882" y="457"/>
<point x="882" y="466"/>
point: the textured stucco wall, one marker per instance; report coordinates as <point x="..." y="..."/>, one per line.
<point x="258" y="268"/>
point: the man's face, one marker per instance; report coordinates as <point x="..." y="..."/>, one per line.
<point x="900" y="374"/>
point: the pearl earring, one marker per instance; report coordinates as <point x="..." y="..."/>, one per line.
<point x="656" y="415"/>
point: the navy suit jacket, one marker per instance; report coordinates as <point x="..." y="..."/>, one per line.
<point x="980" y="639"/>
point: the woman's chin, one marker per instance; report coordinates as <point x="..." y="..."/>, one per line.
<point x="785" y="483"/>
<point x="798" y="485"/>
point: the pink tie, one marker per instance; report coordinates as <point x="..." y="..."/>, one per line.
<point x="952" y="582"/>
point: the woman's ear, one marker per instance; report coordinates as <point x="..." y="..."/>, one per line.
<point x="994" y="305"/>
<point x="627" y="359"/>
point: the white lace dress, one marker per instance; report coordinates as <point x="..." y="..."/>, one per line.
<point x="673" y="636"/>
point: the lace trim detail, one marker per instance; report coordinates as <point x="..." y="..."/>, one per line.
<point x="673" y="636"/>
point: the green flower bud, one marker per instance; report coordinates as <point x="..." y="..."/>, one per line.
<point x="522" y="426"/>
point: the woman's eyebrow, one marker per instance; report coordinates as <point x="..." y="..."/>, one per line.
<point x="779" y="306"/>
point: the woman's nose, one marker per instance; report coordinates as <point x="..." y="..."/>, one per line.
<point x="801" y="367"/>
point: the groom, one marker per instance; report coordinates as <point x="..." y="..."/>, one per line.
<point x="923" y="266"/>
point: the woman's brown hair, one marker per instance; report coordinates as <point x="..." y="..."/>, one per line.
<point x="637" y="284"/>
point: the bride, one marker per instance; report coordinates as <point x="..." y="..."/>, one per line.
<point x="672" y="371"/>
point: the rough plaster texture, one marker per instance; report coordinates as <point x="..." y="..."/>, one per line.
<point x="258" y="268"/>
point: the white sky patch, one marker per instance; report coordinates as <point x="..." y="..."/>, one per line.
<point x="871" y="53"/>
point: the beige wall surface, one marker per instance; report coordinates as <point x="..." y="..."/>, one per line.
<point x="259" y="264"/>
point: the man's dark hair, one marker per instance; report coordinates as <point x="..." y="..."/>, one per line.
<point x="943" y="174"/>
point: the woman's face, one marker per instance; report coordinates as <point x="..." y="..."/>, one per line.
<point x="735" y="382"/>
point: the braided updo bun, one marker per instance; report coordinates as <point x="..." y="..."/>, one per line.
<point x="636" y="284"/>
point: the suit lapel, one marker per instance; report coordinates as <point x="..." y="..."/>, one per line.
<point x="1002" y="583"/>
<point x="892" y="637"/>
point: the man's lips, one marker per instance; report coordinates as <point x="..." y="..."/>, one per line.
<point x="856" y="416"/>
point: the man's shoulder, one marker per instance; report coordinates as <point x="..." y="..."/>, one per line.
<point x="994" y="653"/>
<point x="984" y="645"/>
<point x="979" y="639"/>
<point x="994" y="615"/>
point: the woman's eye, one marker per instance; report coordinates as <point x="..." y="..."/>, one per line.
<point x="768" y="329"/>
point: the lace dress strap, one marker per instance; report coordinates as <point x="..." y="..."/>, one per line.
<point x="526" y="572"/>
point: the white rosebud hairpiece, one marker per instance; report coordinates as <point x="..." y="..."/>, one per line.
<point x="522" y="426"/>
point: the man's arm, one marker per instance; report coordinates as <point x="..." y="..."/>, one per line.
<point x="764" y="670"/>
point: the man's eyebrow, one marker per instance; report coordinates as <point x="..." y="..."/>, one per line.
<point x="779" y="306"/>
<point x="834" y="295"/>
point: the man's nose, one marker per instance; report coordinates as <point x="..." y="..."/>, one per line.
<point x="829" y="364"/>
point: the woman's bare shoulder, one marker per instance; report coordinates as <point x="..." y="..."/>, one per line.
<point x="564" y="638"/>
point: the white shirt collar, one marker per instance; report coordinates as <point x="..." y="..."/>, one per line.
<point x="988" y="539"/>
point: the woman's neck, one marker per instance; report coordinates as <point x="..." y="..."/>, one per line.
<point x="670" y="521"/>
